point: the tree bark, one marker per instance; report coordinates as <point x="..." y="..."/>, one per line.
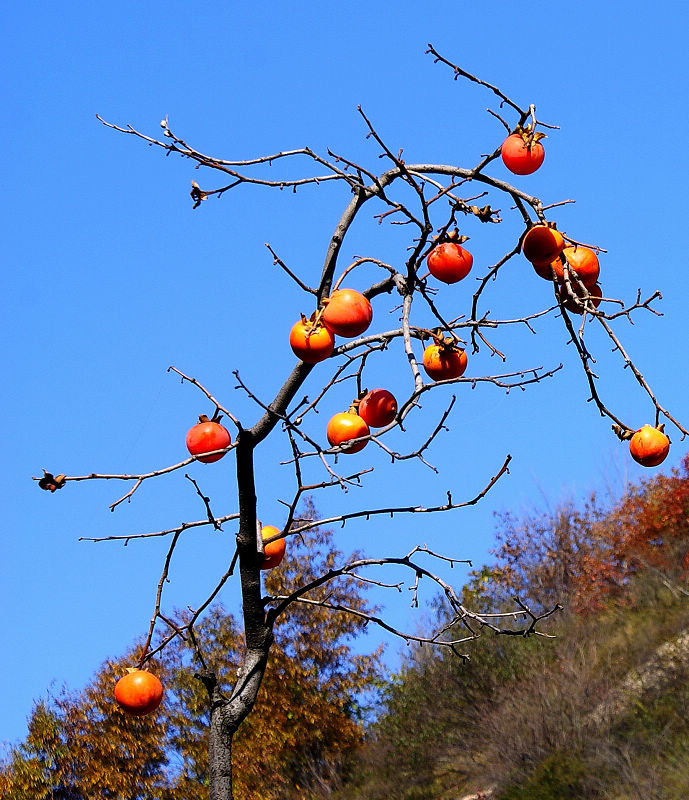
<point x="227" y="714"/>
<point x="220" y="757"/>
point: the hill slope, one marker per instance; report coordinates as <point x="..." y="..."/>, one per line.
<point x="600" y="711"/>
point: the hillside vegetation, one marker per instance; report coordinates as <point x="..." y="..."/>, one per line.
<point x="597" y="708"/>
<point x="599" y="711"/>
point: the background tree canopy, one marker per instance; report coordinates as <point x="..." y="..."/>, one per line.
<point x="307" y="722"/>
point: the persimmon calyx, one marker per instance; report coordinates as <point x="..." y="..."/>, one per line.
<point x="444" y="340"/>
<point x="625" y="434"/>
<point x="529" y="135"/>
<point x="205" y="418"/>
<point x="545" y="223"/>
<point x="197" y="194"/>
<point x="316" y="318"/>
<point x="485" y="213"/>
<point x="452" y="236"/>
<point x="313" y="323"/>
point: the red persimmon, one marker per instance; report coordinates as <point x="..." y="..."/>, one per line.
<point x="570" y="303"/>
<point x="139" y="692"/>
<point x="378" y="408"/>
<point x="449" y="262"/>
<point x="520" y="157"/>
<point x="583" y="262"/>
<point x="347" y="313"/>
<point x="206" y="436"/>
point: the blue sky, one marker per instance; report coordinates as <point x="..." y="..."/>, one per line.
<point x="110" y="276"/>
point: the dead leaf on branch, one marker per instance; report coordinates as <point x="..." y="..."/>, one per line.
<point x="51" y="483"/>
<point x="197" y="194"/>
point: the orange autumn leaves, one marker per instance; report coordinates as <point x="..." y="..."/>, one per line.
<point x="305" y="719"/>
<point x="585" y="555"/>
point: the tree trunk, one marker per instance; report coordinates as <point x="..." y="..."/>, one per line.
<point x="227" y="714"/>
<point x="220" y="757"/>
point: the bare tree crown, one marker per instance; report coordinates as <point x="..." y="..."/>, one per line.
<point x="432" y="202"/>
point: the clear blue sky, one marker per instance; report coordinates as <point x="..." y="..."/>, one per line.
<point x="109" y="276"/>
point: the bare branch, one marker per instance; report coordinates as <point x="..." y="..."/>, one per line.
<point x="196" y="383"/>
<point x="277" y="260"/>
<point x="392" y="510"/>
<point x="206" y="501"/>
<point x="183" y="527"/>
<point x="460" y="72"/>
<point x="159" y="595"/>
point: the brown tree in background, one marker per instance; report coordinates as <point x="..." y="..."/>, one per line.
<point x="303" y="730"/>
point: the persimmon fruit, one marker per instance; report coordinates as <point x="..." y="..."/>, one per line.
<point x="449" y="262"/>
<point x="273" y="552"/>
<point x="583" y="262"/>
<point x="345" y="426"/>
<point x="311" y="342"/>
<point x="347" y="313"/>
<point x="570" y="304"/>
<point x="542" y="244"/>
<point x="521" y="157"/>
<point x="649" y="446"/>
<point x="139" y="692"/>
<point x="378" y="408"/>
<point x="544" y="269"/>
<point x="206" y="436"/>
<point x="442" y="362"/>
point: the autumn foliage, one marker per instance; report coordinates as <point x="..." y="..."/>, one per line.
<point x="306" y="722"/>
<point x="583" y="556"/>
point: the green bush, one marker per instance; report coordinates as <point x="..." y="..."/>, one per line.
<point x="557" y="778"/>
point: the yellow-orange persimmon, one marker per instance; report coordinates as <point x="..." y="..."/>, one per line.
<point x="542" y="244"/>
<point x="442" y="361"/>
<point x="273" y="552"/>
<point x="311" y="342"/>
<point x="345" y="426"/>
<point x="649" y="446"/>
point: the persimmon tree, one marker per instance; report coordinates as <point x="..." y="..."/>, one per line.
<point x="433" y="202"/>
